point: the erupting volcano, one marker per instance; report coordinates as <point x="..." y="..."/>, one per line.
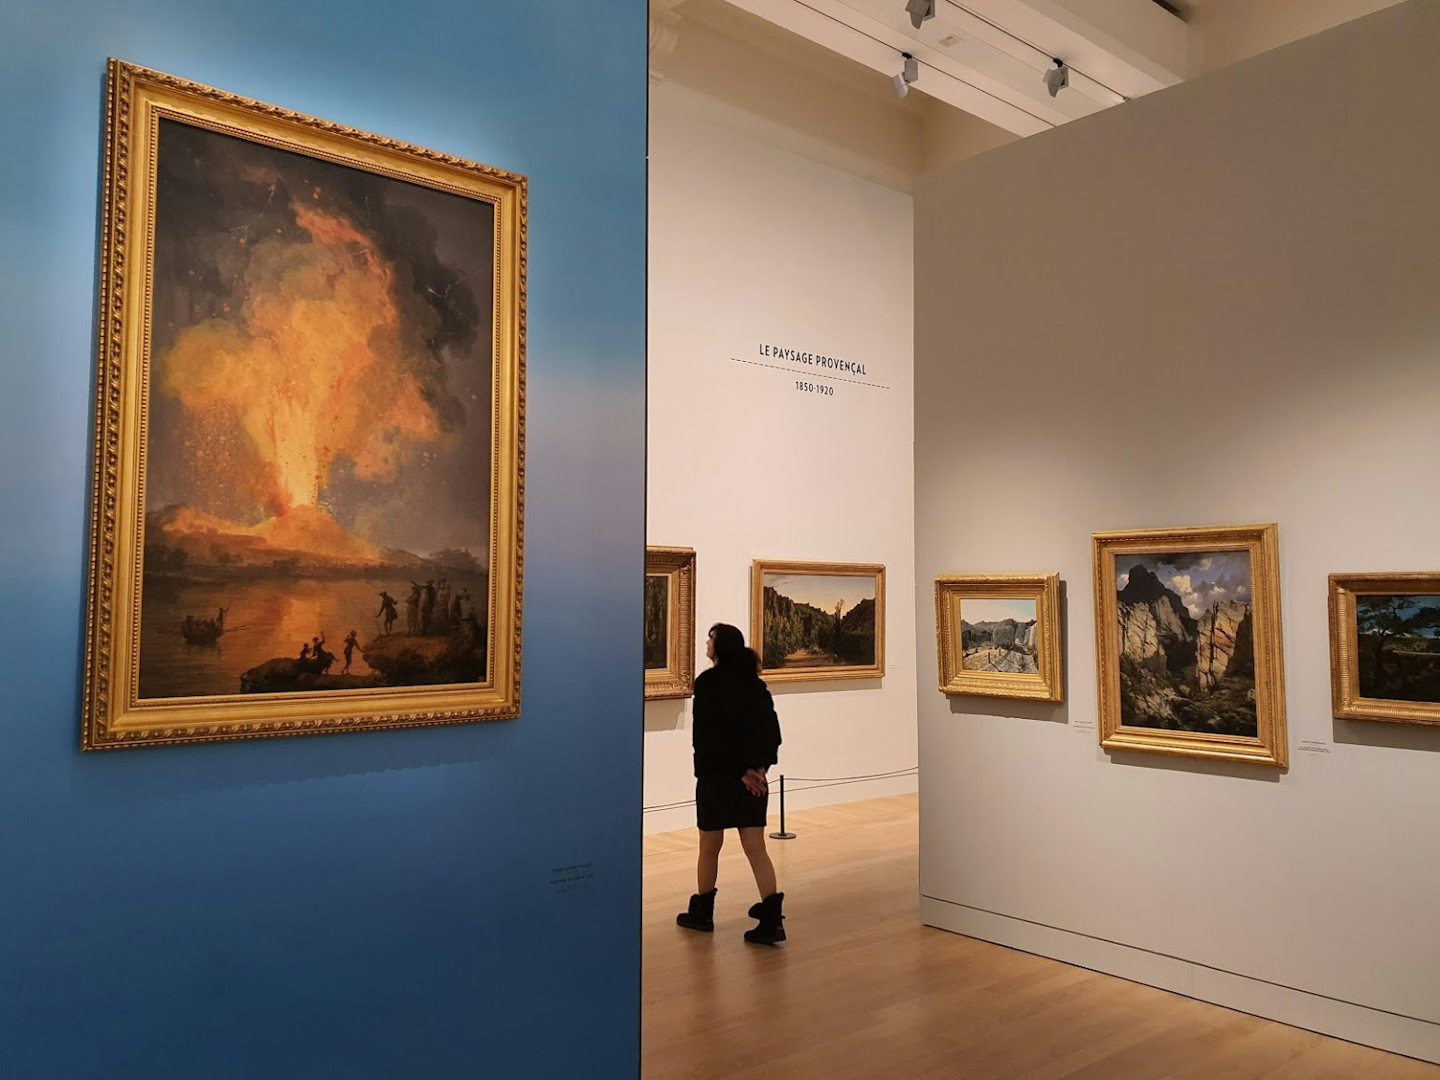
<point x="318" y="442"/>
<point x="316" y="367"/>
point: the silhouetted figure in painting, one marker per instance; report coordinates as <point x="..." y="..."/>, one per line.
<point x="387" y="613"/>
<point x="427" y="607"/>
<point x="319" y="658"/>
<point x="458" y="606"/>
<point x="350" y="644"/>
<point x="304" y="652"/>
<point x="444" y="601"/>
<point x="412" y="609"/>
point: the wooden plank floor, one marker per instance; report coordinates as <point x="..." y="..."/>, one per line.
<point x="862" y="990"/>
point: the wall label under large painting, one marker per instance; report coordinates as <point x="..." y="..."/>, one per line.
<point x="308" y="481"/>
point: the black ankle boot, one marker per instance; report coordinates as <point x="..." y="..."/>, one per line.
<point x="771" y="930"/>
<point x="701" y="915"/>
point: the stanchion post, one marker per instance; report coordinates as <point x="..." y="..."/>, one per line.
<point x="782" y="834"/>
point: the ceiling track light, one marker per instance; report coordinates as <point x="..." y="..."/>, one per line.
<point x="1058" y="77"/>
<point x="910" y="73"/>
<point x="919" y="11"/>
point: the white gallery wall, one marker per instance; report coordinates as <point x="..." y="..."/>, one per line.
<point x="756" y="248"/>
<point x="1217" y="304"/>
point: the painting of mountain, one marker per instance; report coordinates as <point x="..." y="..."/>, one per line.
<point x="1186" y="642"/>
<point x="1399" y="647"/>
<point x="821" y="622"/>
<point x="999" y="635"/>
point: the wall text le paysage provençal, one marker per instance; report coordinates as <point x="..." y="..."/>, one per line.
<point x="814" y="360"/>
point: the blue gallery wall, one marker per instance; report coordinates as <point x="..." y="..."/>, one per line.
<point x="375" y="905"/>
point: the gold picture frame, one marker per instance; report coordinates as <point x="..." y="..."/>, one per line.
<point x="1013" y="644"/>
<point x="1376" y="679"/>
<point x="832" y="625"/>
<point x="669" y="623"/>
<point x="228" y="224"/>
<point x="1188" y="636"/>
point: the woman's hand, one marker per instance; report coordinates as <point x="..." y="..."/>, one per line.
<point x="755" y="782"/>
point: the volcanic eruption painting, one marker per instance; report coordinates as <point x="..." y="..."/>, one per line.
<point x="318" y="462"/>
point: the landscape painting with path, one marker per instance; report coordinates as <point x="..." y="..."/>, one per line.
<point x="319" y="449"/>
<point x="999" y="635"/>
<point x="818" y="620"/>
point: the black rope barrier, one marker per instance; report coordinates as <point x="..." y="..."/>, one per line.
<point x="813" y="783"/>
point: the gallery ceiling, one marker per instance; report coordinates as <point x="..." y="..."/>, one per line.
<point x="989" y="57"/>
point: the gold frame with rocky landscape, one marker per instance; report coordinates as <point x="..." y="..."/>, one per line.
<point x="951" y="591"/>
<point x="1260" y="542"/>
<point x="114" y="713"/>
<point x="761" y="567"/>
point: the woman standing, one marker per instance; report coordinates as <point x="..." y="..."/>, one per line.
<point x="736" y="737"/>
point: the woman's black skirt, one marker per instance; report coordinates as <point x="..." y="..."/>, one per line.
<point x="728" y="804"/>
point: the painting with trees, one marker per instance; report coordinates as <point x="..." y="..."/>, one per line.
<point x="1399" y="652"/>
<point x="669" y="630"/>
<point x="1385" y="646"/>
<point x="818" y="620"/>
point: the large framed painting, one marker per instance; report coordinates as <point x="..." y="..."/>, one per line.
<point x="1188" y="642"/>
<point x="1385" y="647"/>
<point x="812" y="620"/>
<point x="999" y="635"/>
<point x="669" y="623"/>
<point x="308" y="445"/>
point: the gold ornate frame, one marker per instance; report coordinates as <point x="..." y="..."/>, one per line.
<point x="761" y="567"/>
<point x="951" y="592"/>
<point x="1345" y="650"/>
<point x="677" y="680"/>
<point x="113" y="714"/>
<point x="1268" y="746"/>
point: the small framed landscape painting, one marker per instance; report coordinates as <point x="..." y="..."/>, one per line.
<point x="1188" y="642"/>
<point x="812" y="621"/>
<point x="669" y="623"/>
<point x="999" y="635"/>
<point x="1385" y="647"/>
<point x="309" y="434"/>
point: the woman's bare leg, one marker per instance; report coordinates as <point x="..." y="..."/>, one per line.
<point x="707" y="866"/>
<point x="753" y="841"/>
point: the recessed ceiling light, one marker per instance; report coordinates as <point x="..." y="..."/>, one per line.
<point x="949" y="41"/>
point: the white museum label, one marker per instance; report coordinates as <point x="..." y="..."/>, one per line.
<point x="1313" y="746"/>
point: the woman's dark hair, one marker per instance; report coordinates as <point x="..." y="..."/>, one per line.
<point x="731" y="653"/>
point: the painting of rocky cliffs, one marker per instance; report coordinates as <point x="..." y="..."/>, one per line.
<point x="1187" y="642"/>
<point x="818" y="620"/>
<point x="999" y="635"/>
